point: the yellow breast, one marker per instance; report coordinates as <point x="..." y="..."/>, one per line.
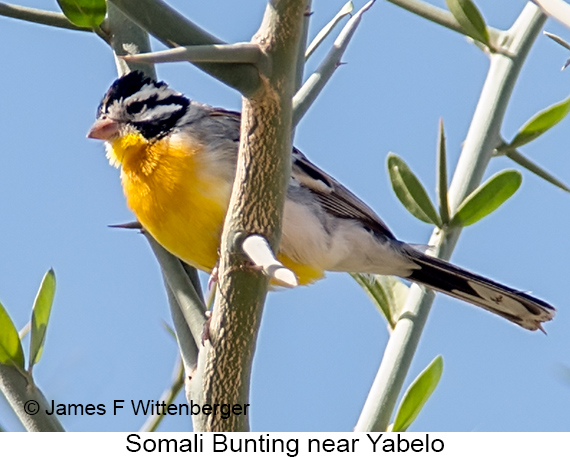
<point x="179" y="198"/>
<point x="174" y="196"/>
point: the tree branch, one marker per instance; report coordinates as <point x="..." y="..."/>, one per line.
<point x="481" y="140"/>
<point x="237" y="53"/>
<point x="27" y="401"/>
<point x="437" y="15"/>
<point x="315" y="83"/>
<point x="39" y="17"/>
<point x="173" y="29"/>
<point x="256" y="207"/>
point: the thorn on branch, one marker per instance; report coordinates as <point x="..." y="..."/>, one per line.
<point x="562" y="43"/>
<point x="260" y="253"/>
<point x="135" y="225"/>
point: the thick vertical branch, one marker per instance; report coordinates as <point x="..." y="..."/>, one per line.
<point x="256" y="207"/>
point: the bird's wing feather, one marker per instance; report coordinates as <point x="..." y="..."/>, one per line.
<point x="334" y="198"/>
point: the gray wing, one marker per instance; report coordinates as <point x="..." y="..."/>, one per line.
<point x="334" y="198"/>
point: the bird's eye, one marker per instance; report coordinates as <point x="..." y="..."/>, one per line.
<point x="135" y="107"/>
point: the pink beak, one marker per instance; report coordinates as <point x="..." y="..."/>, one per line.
<point x="103" y="129"/>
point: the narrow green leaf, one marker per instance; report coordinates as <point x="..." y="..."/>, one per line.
<point x="11" y="352"/>
<point x="417" y="395"/>
<point x="169" y="329"/>
<point x="386" y="292"/>
<point x="410" y="191"/>
<point x="537" y="170"/>
<point x="441" y="177"/>
<point x="540" y="123"/>
<point x="470" y="19"/>
<point x="84" y="13"/>
<point x="487" y="197"/>
<point x="40" y="316"/>
<point x="327" y="29"/>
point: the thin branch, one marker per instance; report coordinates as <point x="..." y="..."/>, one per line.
<point x="39" y="17"/>
<point x="437" y="15"/>
<point x="431" y="13"/>
<point x="25" y="330"/>
<point x="168" y="396"/>
<point x="189" y="299"/>
<point x="307" y="94"/>
<point x="49" y="18"/>
<point x="346" y="10"/>
<point x="173" y="29"/>
<point x="27" y="401"/>
<point x="187" y="345"/>
<point x="221" y="53"/>
<point x="481" y="140"/>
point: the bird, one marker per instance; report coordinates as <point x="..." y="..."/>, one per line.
<point x="178" y="159"/>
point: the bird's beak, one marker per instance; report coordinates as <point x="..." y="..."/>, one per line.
<point x="103" y="129"/>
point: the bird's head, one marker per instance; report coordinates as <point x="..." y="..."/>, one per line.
<point x="137" y="104"/>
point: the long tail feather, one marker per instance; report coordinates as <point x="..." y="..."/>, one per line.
<point x="514" y="305"/>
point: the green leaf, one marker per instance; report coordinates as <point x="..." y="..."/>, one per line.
<point x="470" y="19"/>
<point x="11" y="352"/>
<point x="84" y="13"/>
<point x="540" y="123"/>
<point x="40" y="316"/>
<point x="169" y="329"/>
<point x="386" y="292"/>
<point x="487" y="197"/>
<point x="417" y="395"/>
<point x="327" y="29"/>
<point x="441" y="177"/>
<point x="410" y="191"/>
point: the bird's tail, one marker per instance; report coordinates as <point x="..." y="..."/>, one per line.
<point x="514" y="305"/>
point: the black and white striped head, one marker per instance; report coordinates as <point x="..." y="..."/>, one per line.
<point x="135" y="101"/>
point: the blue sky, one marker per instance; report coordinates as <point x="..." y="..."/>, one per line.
<point x="319" y="346"/>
